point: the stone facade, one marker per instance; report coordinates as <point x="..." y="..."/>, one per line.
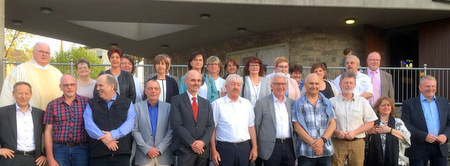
<point x="306" y="45"/>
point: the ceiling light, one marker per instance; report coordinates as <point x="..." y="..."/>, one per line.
<point x="241" y="30"/>
<point x="46" y="10"/>
<point x="204" y="16"/>
<point x="350" y="21"/>
<point x="17" y="22"/>
<point x="164" y="46"/>
<point x="114" y="45"/>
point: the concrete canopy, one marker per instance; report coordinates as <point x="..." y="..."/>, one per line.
<point x="141" y="27"/>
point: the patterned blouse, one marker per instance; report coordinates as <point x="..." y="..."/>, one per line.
<point x="400" y="126"/>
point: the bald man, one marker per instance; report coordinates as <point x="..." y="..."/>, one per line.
<point x="381" y="80"/>
<point x="44" y="79"/>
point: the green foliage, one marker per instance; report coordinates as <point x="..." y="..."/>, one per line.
<point x="76" y="53"/>
<point x="15" y="44"/>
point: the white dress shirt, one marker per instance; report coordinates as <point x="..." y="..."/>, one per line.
<point x="283" y="127"/>
<point x="232" y="119"/>
<point x="25" y="130"/>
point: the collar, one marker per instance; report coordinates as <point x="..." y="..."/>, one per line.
<point x="422" y="98"/>
<point x="113" y="98"/>
<point x="342" y="98"/>
<point x="370" y="71"/>
<point x="190" y="96"/>
<point x="38" y="65"/>
<point x="276" y="99"/>
<point x="156" y="105"/>
<point x="18" y="108"/>
<point x="61" y="99"/>
<point x="229" y="101"/>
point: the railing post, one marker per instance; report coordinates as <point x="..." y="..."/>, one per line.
<point x="425" y="69"/>
<point x="71" y="66"/>
<point x="3" y="68"/>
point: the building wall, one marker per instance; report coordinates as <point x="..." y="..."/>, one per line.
<point x="306" y="45"/>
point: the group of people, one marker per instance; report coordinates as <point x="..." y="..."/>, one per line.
<point x="202" y="118"/>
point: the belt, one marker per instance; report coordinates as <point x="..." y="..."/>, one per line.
<point x="70" y="144"/>
<point x="25" y="153"/>
<point x="354" y="139"/>
<point x="283" y="140"/>
<point x="233" y="143"/>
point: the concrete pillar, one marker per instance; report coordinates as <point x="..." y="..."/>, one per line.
<point x="2" y="40"/>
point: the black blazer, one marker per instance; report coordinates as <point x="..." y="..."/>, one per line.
<point x="412" y="115"/>
<point x="185" y="129"/>
<point x="126" y="85"/>
<point x="8" y="129"/>
<point x="172" y="88"/>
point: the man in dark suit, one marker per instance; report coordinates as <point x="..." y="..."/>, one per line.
<point x="192" y="123"/>
<point x="427" y="117"/>
<point x="274" y="129"/>
<point x="381" y="80"/>
<point x="21" y="130"/>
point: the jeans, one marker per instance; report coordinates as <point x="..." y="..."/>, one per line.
<point x="321" y="161"/>
<point x="71" y="155"/>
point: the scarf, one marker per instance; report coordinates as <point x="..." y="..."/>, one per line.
<point x="375" y="155"/>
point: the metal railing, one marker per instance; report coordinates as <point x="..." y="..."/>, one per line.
<point x="405" y="80"/>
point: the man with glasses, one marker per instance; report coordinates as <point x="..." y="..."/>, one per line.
<point x="64" y="135"/>
<point x="44" y="78"/>
<point x="381" y="80"/>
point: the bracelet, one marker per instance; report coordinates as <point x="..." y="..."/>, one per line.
<point x="390" y="132"/>
<point x="324" y="139"/>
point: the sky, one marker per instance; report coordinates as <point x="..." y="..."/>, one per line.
<point x="55" y="44"/>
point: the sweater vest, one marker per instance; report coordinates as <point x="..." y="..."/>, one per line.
<point x="108" y="120"/>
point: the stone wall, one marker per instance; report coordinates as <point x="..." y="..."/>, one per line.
<point x="306" y="45"/>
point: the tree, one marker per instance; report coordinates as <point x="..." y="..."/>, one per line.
<point x="15" y="41"/>
<point x="76" y="53"/>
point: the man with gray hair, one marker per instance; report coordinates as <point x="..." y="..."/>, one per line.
<point x="427" y="117"/>
<point x="354" y="116"/>
<point x="234" y="127"/>
<point x="109" y="119"/>
<point x="363" y="82"/>
<point x="273" y="125"/>
<point x="44" y="79"/>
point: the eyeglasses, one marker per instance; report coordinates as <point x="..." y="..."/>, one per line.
<point x="279" y="84"/>
<point x="254" y="65"/>
<point x="43" y="52"/>
<point x="284" y="67"/>
<point x="213" y="64"/>
<point x="376" y="60"/>
<point x="67" y="85"/>
<point x="83" y="68"/>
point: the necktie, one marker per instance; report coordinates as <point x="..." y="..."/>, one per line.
<point x="195" y="108"/>
<point x="376" y="87"/>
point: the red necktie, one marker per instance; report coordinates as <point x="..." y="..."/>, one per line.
<point x="195" y="108"/>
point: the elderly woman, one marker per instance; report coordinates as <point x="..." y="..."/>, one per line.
<point x="208" y="88"/>
<point x="167" y="84"/>
<point x="127" y="64"/>
<point x="295" y="72"/>
<point x="231" y="66"/>
<point x="389" y="136"/>
<point x="326" y="87"/>
<point x="126" y="82"/>
<point x="213" y="66"/>
<point x="85" y="83"/>
<point x="255" y="86"/>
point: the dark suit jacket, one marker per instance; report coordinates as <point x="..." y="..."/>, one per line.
<point x="8" y="129"/>
<point x="266" y="124"/>
<point x="185" y="129"/>
<point x="126" y="84"/>
<point x="412" y="115"/>
<point x="171" y="88"/>
<point x="387" y="87"/>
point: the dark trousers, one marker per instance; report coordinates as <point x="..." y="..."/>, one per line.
<point x="233" y="154"/>
<point x="433" y="154"/>
<point x="18" y="160"/>
<point x="111" y="160"/>
<point x="191" y="159"/>
<point x="283" y="154"/>
<point x="321" y="161"/>
<point x="71" y="155"/>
